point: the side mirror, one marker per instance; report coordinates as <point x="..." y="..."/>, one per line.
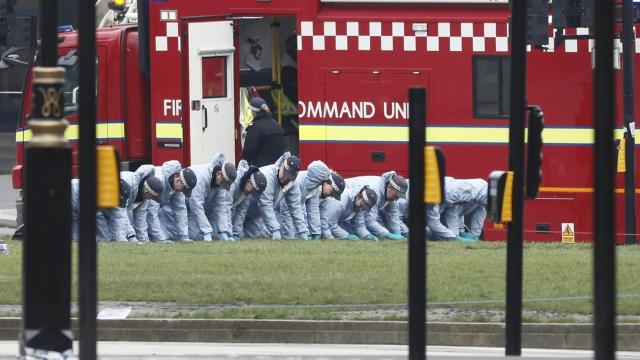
<point x="10" y="58"/>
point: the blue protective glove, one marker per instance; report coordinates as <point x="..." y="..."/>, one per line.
<point x="371" y="237"/>
<point x="223" y="236"/>
<point x="404" y="236"/>
<point x="207" y="237"/>
<point x="352" y="237"/>
<point x="276" y="235"/>
<point x="392" y="236"/>
<point x="465" y="240"/>
<point x="467" y="235"/>
<point x="315" y="237"/>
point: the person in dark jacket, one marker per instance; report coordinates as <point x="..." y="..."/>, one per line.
<point x="264" y="143"/>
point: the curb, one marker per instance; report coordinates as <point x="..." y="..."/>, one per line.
<point x="7" y="222"/>
<point x="8" y="217"/>
<point x="543" y="336"/>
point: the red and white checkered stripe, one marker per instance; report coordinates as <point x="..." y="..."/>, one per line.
<point x="489" y="37"/>
<point x="171" y="37"/>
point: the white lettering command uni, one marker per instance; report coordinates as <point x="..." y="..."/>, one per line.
<point x="172" y="107"/>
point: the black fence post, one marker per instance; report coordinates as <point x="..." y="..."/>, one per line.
<point x="513" y="331"/>
<point x="46" y="280"/>
<point x="87" y="292"/>
<point x="417" y="236"/>
<point x="628" y="51"/>
<point x="604" y="304"/>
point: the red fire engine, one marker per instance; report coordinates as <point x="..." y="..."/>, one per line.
<point x="352" y="63"/>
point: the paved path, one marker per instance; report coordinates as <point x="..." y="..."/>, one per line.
<point x="8" y="196"/>
<point x="137" y="350"/>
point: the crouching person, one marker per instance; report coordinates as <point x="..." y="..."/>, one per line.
<point x="383" y="220"/>
<point x="209" y="204"/>
<point x="434" y="229"/>
<point x="474" y="211"/>
<point x="345" y="218"/>
<point x="111" y="224"/>
<point x="317" y="183"/>
<point x="249" y="183"/>
<point x="261" y="219"/>
<point x="464" y="197"/>
<point x="169" y="221"/>
<point x="145" y="188"/>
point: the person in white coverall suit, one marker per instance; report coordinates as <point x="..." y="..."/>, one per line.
<point x="318" y="182"/>
<point x="169" y="221"/>
<point x="209" y="204"/>
<point x="383" y="221"/>
<point x="250" y="183"/>
<point x="261" y="218"/>
<point x="145" y="188"/>
<point x="346" y="218"/>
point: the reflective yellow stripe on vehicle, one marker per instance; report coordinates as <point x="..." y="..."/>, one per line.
<point x="104" y="132"/>
<point x="168" y="131"/>
<point x="577" y="190"/>
<point x="441" y="134"/>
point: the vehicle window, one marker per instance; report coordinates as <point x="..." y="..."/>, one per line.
<point x="70" y="62"/>
<point x="491" y="77"/>
<point x="214" y="77"/>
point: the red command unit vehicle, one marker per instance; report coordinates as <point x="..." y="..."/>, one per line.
<point x="348" y="74"/>
<point x="122" y="105"/>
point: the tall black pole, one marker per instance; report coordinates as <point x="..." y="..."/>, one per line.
<point x="417" y="236"/>
<point x="46" y="280"/>
<point x="48" y="53"/>
<point x="513" y="331"/>
<point x="604" y="289"/>
<point x="87" y="292"/>
<point x="628" y="50"/>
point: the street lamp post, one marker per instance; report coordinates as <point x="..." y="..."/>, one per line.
<point x="47" y="207"/>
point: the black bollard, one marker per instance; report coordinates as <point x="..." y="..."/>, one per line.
<point x="417" y="236"/>
<point x="604" y="264"/>
<point x="46" y="280"/>
<point x="513" y="329"/>
<point x="628" y="42"/>
<point x="87" y="262"/>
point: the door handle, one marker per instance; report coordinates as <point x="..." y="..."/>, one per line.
<point x="205" y="118"/>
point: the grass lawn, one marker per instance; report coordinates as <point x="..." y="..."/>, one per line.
<point x="253" y="278"/>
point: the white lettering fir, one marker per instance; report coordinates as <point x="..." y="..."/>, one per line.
<point x="171" y="107"/>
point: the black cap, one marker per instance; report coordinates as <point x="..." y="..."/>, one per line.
<point x="337" y="184"/>
<point x="400" y="184"/>
<point x="370" y="198"/>
<point x="189" y="180"/>
<point x="229" y="174"/>
<point x="125" y="192"/>
<point x="291" y="167"/>
<point x="153" y="185"/>
<point x="258" y="181"/>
